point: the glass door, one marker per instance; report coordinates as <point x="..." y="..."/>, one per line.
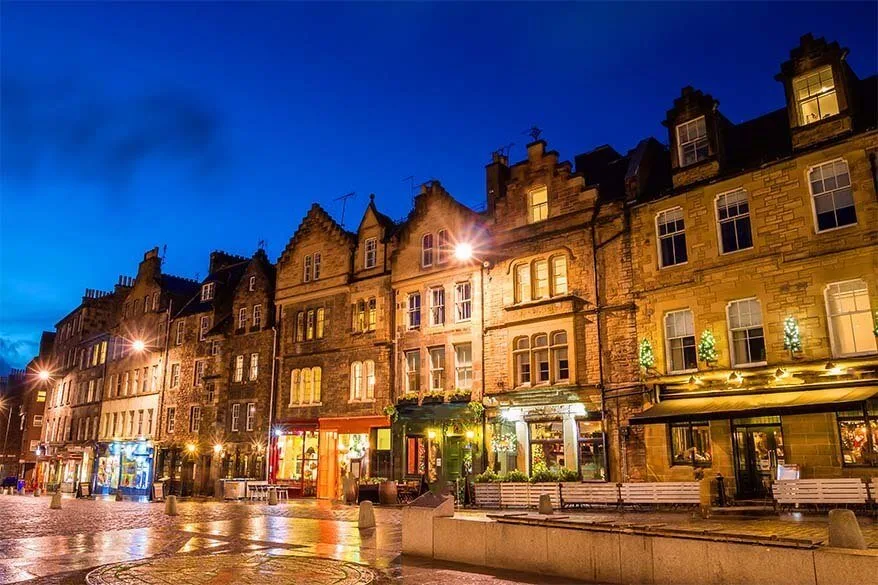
<point x="758" y="450"/>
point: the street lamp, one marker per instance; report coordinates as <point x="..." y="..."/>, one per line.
<point x="463" y="251"/>
<point x="44" y="375"/>
<point x="138" y="345"/>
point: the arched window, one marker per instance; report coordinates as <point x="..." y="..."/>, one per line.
<point x="541" y="358"/>
<point x="300" y="326"/>
<point x="521" y="357"/>
<point x="427" y="250"/>
<point x="370" y="379"/>
<point x="356" y="381"/>
<point x="560" y="363"/>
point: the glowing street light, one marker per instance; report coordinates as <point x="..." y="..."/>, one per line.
<point x="463" y="251"/>
<point x="191" y="447"/>
<point x="44" y="375"/>
<point x="138" y="345"/>
<point x="217" y="448"/>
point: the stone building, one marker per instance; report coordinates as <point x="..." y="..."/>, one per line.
<point x="334" y="347"/>
<point x="437" y="290"/>
<point x="38" y="376"/>
<point x="559" y="316"/>
<point x="756" y="279"/>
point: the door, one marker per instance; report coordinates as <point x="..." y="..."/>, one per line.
<point x="453" y="458"/>
<point x="758" y="449"/>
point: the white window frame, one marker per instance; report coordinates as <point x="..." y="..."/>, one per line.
<point x="850" y="186"/>
<point x="207" y="291"/>
<point x="412" y="376"/>
<point x="370" y="253"/>
<point x="317" y="262"/>
<point x="198" y="373"/>
<point x="821" y="92"/>
<point x="731" y="332"/>
<point x="357" y="382"/>
<point x="461" y="368"/>
<point x="181" y="329"/>
<point x="204" y="327"/>
<point x="251" y="284"/>
<point x="249" y="423"/>
<point x="437" y="372"/>
<point x="659" y="238"/>
<point x="413" y="313"/>
<point x="558" y="277"/>
<point x="463" y="304"/>
<point x="719" y="222"/>
<point x="194" y="419"/>
<point x="540" y="293"/>
<point x="428" y="247"/>
<point x="242" y="318"/>
<point x="307" y="268"/>
<point x="667" y="338"/>
<point x="236" y="417"/>
<point x="254" y="367"/>
<point x="437" y="306"/>
<point x="239" y="369"/>
<point x="537" y="212"/>
<point x="169" y="424"/>
<point x="680" y="144"/>
<point x="830" y="317"/>
<point x="175" y="377"/>
<point x="257" y="316"/>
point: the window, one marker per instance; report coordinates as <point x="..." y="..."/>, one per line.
<point x="373" y="314"/>
<point x="672" y="237"/>
<point x="833" y="199"/>
<point x="172" y="415"/>
<point x="154" y="380"/>
<point x="198" y="378"/>
<point x="251" y="415"/>
<point x="851" y="326"/>
<point x="257" y="316"/>
<point x="316" y="265"/>
<point x="415" y="455"/>
<point x="541" y="279"/>
<point x="559" y="275"/>
<point x="251" y="286"/>
<point x="427" y="250"/>
<point x="149" y="422"/>
<point x="254" y="366"/>
<point x="156" y="298"/>
<point x="103" y="352"/>
<point x="437" y="306"/>
<point x="300" y="326"/>
<point x="180" y="328"/>
<point x="135" y="381"/>
<point x="414" y="310"/>
<point x="444" y="246"/>
<point x="733" y="214"/>
<point x="541" y="358"/>
<point x="746" y="333"/>
<point x="463" y="301"/>
<point x="236" y="417"/>
<point x="360" y="316"/>
<point x="437" y="369"/>
<point x="369" y="366"/>
<point x="210" y="393"/>
<point x="194" y="419"/>
<point x="547" y="443"/>
<point x="239" y="368"/>
<point x="560" y="364"/>
<point x="38" y="420"/>
<point x="309" y="325"/>
<point x="412" y="371"/>
<point x="215" y="348"/>
<point x="463" y="366"/>
<point x="203" y="328"/>
<point x="305" y="386"/>
<point x="521" y="357"/>
<point x="309" y="265"/>
<point x="815" y="95"/>
<point x="858" y="433"/>
<point x="207" y="291"/>
<point x="690" y="444"/>
<point x="242" y="318"/>
<point x="692" y="141"/>
<point x="522" y="283"/>
<point x="175" y="377"/>
<point x="371" y="253"/>
<point x="356" y="381"/>
<point x="321" y="323"/>
<point x="135" y="307"/>
<point x="680" y="341"/>
<point x="538" y="204"/>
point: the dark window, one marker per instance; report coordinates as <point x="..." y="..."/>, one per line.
<point x="690" y="444"/>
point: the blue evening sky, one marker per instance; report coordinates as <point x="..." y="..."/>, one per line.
<point x="215" y="125"/>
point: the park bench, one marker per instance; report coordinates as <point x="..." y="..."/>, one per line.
<point x="589" y="494"/>
<point x="660" y="493"/>
<point x="818" y="492"/>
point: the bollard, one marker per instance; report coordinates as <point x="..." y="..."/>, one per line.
<point x="844" y="531"/>
<point x="118" y="495"/>
<point x="37" y="492"/>
<point x="171" y="505"/>
<point x="545" y="506"/>
<point x="367" y="515"/>
<point x="56" y="501"/>
<point x="272" y="497"/>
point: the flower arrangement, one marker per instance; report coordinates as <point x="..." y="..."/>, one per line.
<point x="504" y="443"/>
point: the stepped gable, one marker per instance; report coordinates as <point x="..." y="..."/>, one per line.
<point x="317" y="218"/>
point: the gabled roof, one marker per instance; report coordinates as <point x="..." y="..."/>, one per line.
<point x="434" y="189"/>
<point x="318" y="218"/>
<point x="388" y="225"/>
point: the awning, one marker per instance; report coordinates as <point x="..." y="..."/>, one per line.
<point x="768" y="403"/>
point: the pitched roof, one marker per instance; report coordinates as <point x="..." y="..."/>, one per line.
<point x="319" y="217"/>
<point x="226" y="279"/>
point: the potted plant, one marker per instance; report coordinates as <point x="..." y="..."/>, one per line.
<point x="514" y="490"/>
<point x="460" y="395"/>
<point x="487" y="489"/>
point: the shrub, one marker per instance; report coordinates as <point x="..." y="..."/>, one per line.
<point x="541" y="474"/>
<point x="569" y="475"/>
<point x="487" y="477"/>
<point x="515" y="477"/>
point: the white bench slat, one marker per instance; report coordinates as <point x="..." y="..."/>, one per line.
<point x="849" y="490"/>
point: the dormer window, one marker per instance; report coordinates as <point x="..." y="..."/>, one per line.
<point x="207" y="291"/>
<point x="427" y="250"/>
<point x="371" y="248"/>
<point x="692" y="141"/>
<point x="815" y="95"/>
<point x="538" y="204"/>
<point x="252" y="285"/>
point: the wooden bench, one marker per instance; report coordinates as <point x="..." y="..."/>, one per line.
<point x="873" y="490"/>
<point x="848" y="490"/>
<point x="660" y="493"/>
<point x="589" y="494"/>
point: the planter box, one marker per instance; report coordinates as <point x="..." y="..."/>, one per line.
<point x="487" y="495"/>
<point x="514" y="495"/>
<point x="538" y="489"/>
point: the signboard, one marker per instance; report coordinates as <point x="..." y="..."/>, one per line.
<point x="788" y="471"/>
<point x="84" y="489"/>
<point x="158" y="492"/>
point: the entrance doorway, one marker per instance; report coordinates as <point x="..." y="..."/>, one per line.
<point x="758" y="449"/>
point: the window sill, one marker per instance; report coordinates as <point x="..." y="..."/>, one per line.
<point x="308" y="405"/>
<point x="673" y="265"/>
<point x="750" y="365"/>
<point x="854" y="355"/>
<point x="834" y="229"/>
<point x="724" y="253"/>
<point x="362" y="401"/>
<point x="681" y="372"/>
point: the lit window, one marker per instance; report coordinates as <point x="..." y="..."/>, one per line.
<point x="672" y="237"/>
<point x="815" y="95"/>
<point x="680" y="341"/>
<point x="254" y="366"/>
<point x="204" y="327"/>
<point x="369" y="366"/>
<point x="309" y="266"/>
<point x="360" y="316"/>
<point x="179" y="337"/>
<point x="745" y="326"/>
<point x="300" y="326"/>
<point x="560" y="363"/>
<point x="427" y="250"/>
<point x="373" y="314"/>
<point x="371" y="253"/>
<point x="252" y="284"/>
<point x="559" y="275"/>
<point x="198" y="379"/>
<point x="251" y="415"/>
<point x="321" y="323"/>
<point x="257" y="316"/>
<point x="463" y="366"/>
<point x="690" y="444"/>
<point x="437" y="369"/>
<point x="414" y="310"/>
<point x="175" y="378"/>
<point x="833" y="198"/>
<point x="242" y="318"/>
<point x="316" y="265"/>
<point x="413" y="371"/>
<point x="239" y="368"/>
<point x="540" y="279"/>
<point x="305" y="386"/>
<point x="692" y="141"/>
<point x="356" y="381"/>
<point x="522" y="283"/>
<point x="538" y="204"/>
<point x="295" y="376"/>
<point x="236" y="417"/>
<point x="309" y="325"/>
<point x="858" y="430"/>
<point x="541" y="358"/>
<point x="437" y="306"/>
<point x="207" y="291"/>
<point x="463" y="301"/>
<point x="733" y="213"/>
<point x="851" y="325"/>
<point x="172" y="415"/>
<point x="521" y="357"/>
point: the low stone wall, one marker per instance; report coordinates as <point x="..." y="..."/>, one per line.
<point x="599" y="555"/>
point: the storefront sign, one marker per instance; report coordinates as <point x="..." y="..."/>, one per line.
<point x="158" y="492"/>
<point x="84" y="489"/>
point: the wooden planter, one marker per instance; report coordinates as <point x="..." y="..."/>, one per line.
<point x="538" y="489"/>
<point x="514" y="495"/>
<point x="487" y="495"/>
<point x="387" y="492"/>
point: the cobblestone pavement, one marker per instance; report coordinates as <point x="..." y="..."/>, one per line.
<point x="104" y="542"/>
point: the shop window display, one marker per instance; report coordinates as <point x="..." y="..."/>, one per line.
<point x="690" y="444"/>
<point x="547" y="444"/>
<point x="297" y="459"/>
<point x="858" y="435"/>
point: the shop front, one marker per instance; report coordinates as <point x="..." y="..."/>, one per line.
<point x="124" y="467"/>
<point x="557" y="436"/>
<point x="437" y="442"/>
<point x="295" y="458"/>
<point x="355" y="447"/>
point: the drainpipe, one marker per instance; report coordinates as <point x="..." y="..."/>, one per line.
<point x="597" y="298"/>
<point x="158" y="417"/>
<point x="271" y="401"/>
<point x="482" y="335"/>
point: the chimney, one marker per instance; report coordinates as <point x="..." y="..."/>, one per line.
<point x="536" y="150"/>
<point x="496" y="178"/>
<point x="151" y="267"/>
